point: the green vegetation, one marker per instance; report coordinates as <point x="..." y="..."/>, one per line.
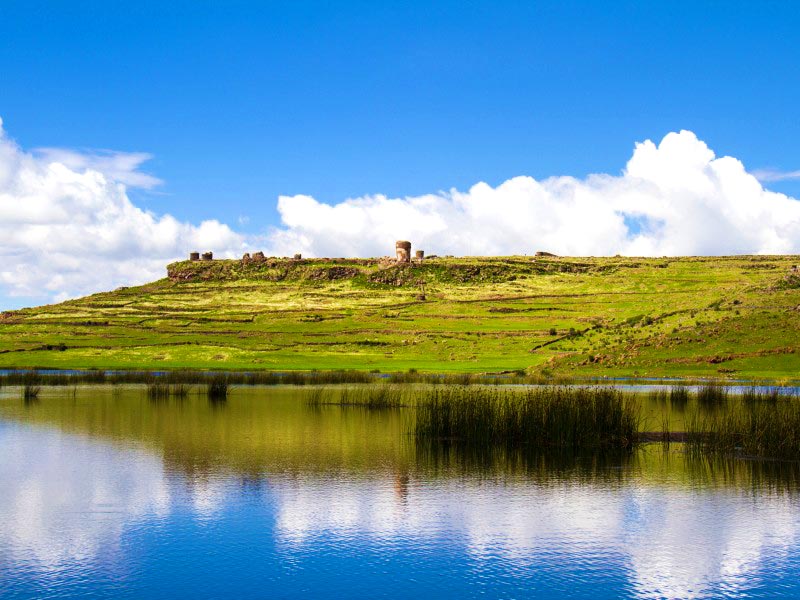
<point x="759" y="424"/>
<point x="217" y="389"/>
<point x="373" y="397"/>
<point x="569" y="418"/>
<point x="723" y="317"/>
<point x="30" y="392"/>
<point x="261" y="431"/>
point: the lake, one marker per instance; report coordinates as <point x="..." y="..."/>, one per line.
<point x="106" y="493"/>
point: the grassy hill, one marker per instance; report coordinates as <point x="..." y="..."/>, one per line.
<point x="719" y="316"/>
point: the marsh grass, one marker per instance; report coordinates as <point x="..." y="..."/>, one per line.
<point x="188" y="377"/>
<point x="179" y="390"/>
<point x="712" y="396"/>
<point x="758" y="424"/>
<point x="678" y="397"/>
<point x="546" y="417"/>
<point x="375" y="397"/>
<point x="659" y="396"/>
<point x="217" y="389"/>
<point x="30" y="392"/>
<point x="158" y="391"/>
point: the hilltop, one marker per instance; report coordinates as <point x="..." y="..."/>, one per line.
<point x="699" y="316"/>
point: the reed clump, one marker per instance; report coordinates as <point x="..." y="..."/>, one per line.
<point x="375" y="397"/>
<point x="30" y="392"/>
<point x="217" y="389"/>
<point x="678" y="397"/>
<point x="544" y="417"/>
<point x="756" y="425"/>
<point x="179" y="390"/>
<point x="712" y="396"/>
<point x="158" y="391"/>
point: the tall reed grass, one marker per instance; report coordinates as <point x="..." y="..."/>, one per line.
<point x="374" y="397"/>
<point x="756" y="425"/>
<point x="186" y="377"/>
<point x="712" y="396"/>
<point x="678" y="397"/>
<point x="158" y="391"/>
<point x="544" y="417"/>
<point x="217" y="389"/>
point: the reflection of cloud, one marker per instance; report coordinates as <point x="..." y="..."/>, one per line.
<point x="65" y="497"/>
<point x="209" y="495"/>
<point x="683" y="544"/>
<point x="673" y="542"/>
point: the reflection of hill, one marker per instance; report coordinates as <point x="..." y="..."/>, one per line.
<point x="270" y="431"/>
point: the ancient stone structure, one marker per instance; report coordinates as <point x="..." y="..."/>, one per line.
<point x="543" y="253"/>
<point x="194" y="256"/>
<point x="259" y="256"/>
<point x="403" y="251"/>
<point x="208" y="256"/>
<point x="419" y="255"/>
<point x="298" y="256"/>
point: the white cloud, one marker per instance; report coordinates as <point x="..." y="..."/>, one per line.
<point x="674" y="198"/>
<point x="67" y="226"/>
<point x="122" y="167"/>
<point x="767" y="175"/>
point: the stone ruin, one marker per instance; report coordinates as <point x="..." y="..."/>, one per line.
<point x="403" y="251"/>
<point x="193" y="256"/>
<point x="402" y="255"/>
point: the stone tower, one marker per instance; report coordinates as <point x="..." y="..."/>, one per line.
<point x="403" y="251"/>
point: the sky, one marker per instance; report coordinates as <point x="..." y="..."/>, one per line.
<point x="134" y="132"/>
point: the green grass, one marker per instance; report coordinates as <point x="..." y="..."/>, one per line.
<point x="723" y="317"/>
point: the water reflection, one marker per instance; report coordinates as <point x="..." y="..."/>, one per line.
<point x="104" y="493"/>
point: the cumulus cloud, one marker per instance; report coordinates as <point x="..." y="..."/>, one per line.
<point x="767" y="175"/>
<point x="67" y="226"/>
<point x="122" y="167"/>
<point x="672" y="198"/>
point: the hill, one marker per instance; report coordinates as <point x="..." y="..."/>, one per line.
<point x="700" y="316"/>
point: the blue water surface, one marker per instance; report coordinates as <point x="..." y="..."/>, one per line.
<point x="95" y="511"/>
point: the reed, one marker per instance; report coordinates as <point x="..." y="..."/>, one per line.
<point x="188" y="377"/>
<point x="179" y="390"/>
<point x="30" y="392"/>
<point x="755" y="396"/>
<point x="217" y="389"/>
<point x="678" y="397"/>
<point x="712" y="396"/>
<point x="545" y="417"/>
<point x="659" y="396"/>
<point x="756" y="425"/>
<point x="158" y="391"/>
<point x="376" y="397"/>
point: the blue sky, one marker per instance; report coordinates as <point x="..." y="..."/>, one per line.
<point x="239" y="102"/>
<point x="262" y="119"/>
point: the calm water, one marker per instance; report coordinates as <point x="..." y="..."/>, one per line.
<point x="106" y="494"/>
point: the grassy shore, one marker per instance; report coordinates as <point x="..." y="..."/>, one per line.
<point x="722" y="317"/>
